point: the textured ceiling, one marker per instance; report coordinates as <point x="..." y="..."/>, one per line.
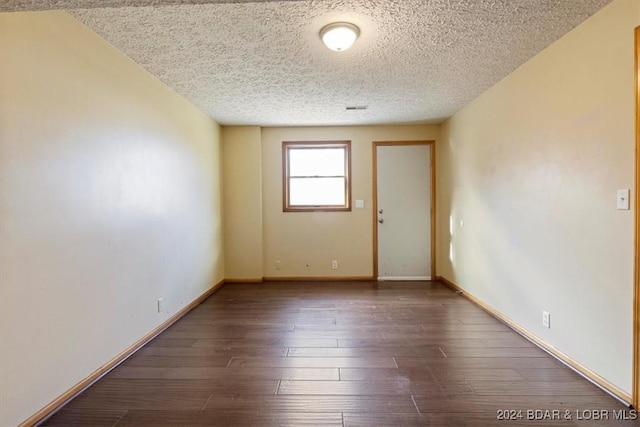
<point x="262" y="62"/>
<point x="30" y="5"/>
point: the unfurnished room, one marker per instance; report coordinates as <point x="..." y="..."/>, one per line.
<point x="319" y="212"/>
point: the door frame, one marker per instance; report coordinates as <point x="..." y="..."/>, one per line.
<point x="432" y="145"/>
<point x="635" y="392"/>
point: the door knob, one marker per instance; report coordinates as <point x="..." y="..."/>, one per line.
<point x="380" y="220"/>
<point x="381" y="211"/>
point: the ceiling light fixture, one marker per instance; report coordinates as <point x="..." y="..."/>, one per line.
<point x="339" y="36"/>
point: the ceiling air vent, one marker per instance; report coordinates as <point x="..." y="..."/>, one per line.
<point x="356" y="107"/>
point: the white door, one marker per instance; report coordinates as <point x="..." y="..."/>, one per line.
<point x="404" y="212"/>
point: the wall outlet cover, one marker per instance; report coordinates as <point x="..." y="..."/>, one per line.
<point x="546" y="319"/>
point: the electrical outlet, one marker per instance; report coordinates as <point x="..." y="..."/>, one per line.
<point x="278" y="265"/>
<point x="160" y="305"/>
<point x="546" y="319"/>
<point x="334" y="264"/>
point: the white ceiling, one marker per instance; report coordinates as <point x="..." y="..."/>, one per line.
<point x="262" y="62"/>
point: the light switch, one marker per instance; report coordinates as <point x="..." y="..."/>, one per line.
<point x="359" y="204"/>
<point x="623" y="200"/>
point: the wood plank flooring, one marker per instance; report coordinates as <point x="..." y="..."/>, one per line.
<point x="340" y="354"/>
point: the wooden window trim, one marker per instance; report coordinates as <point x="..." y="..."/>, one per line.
<point x="286" y="146"/>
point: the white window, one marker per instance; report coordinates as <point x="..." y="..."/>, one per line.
<point x="316" y="176"/>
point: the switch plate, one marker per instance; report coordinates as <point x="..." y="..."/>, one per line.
<point x="623" y="200"/>
<point x="359" y="204"/>
<point x="160" y="305"/>
<point x="278" y="265"/>
<point x="334" y="264"/>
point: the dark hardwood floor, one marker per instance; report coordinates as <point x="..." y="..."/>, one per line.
<point x="340" y="354"/>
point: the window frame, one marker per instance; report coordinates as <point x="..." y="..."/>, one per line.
<point x="287" y="146"/>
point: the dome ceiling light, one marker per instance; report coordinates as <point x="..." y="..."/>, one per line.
<point x="339" y="36"/>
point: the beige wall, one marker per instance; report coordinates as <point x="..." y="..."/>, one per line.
<point x="242" y="202"/>
<point x="306" y="242"/>
<point x="110" y="197"/>
<point x="532" y="167"/>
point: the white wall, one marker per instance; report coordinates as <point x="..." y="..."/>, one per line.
<point x="110" y="197"/>
<point x="532" y="167"/>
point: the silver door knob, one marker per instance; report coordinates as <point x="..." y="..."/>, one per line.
<point x="381" y="211"/>
<point x="380" y="220"/>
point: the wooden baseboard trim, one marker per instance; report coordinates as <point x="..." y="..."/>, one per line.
<point x="320" y="279"/>
<point x="251" y="280"/>
<point x="587" y="373"/>
<point x="449" y="284"/>
<point x="67" y="396"/>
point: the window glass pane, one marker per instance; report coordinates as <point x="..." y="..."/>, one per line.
<point x="316" y="162"/>
<point x="317" y="191"/>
